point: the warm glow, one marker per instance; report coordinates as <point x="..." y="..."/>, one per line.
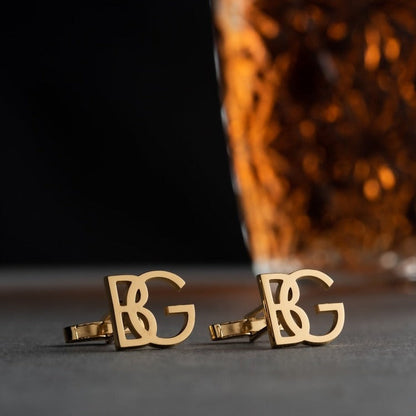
<point x="332" y="113"/>
<point x="337" y="31"/>
<point x="320" y="108"/>
<point x="372" y="57"/>
<point x="371" y="189"/>
<point x="392" y="49"/>
<point x="386" y="177"/>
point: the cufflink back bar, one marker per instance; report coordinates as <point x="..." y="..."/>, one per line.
<point x="90" y="331"/>
<point x="286" y="322"/>
<point x="245" y="327"/>
<point x="251" y="326"/>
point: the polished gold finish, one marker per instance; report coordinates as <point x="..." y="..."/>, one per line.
<point x="130" y="324"/>
<point x="133" y="315"/>
<point x="245" y="327"/>
<point x="90" y="331"/>
<point x="286" y="322"/>
<point x="282" y="310"/>
<point x="253" y="325"/>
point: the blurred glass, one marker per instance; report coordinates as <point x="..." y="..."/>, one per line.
<point x="319" y="104"/>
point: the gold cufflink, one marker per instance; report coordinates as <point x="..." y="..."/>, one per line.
<point x="130" y="324"/>
<point x="285" y="321"/>
<point x="90" y="331"/>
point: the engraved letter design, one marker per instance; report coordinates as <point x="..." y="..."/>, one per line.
<point x="283" y="309"/>
<point x="134" y="316"/>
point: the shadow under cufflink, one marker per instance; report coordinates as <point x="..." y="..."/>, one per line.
<point x="279" y="315"/>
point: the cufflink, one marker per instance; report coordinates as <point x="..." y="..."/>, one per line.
<point x="285" y="321"/>
<point x="130" y="324"/>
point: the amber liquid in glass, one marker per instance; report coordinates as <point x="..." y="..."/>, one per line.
<point x="320" y="108"/>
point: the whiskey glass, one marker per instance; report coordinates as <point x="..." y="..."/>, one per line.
<point x="319" y="106"/>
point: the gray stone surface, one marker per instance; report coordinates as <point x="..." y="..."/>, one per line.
<point x="370" y="369"/>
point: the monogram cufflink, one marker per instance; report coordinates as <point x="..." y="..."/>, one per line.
<point x="285" y="321"/>
<point x="130" y="324"/>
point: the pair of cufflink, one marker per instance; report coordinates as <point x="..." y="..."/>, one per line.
<point x="130" y="324"/>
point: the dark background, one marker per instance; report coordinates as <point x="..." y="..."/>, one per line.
<point x="112" y="145"/>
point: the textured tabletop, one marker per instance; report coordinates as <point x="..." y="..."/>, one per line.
<point x="370" y="369"/>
